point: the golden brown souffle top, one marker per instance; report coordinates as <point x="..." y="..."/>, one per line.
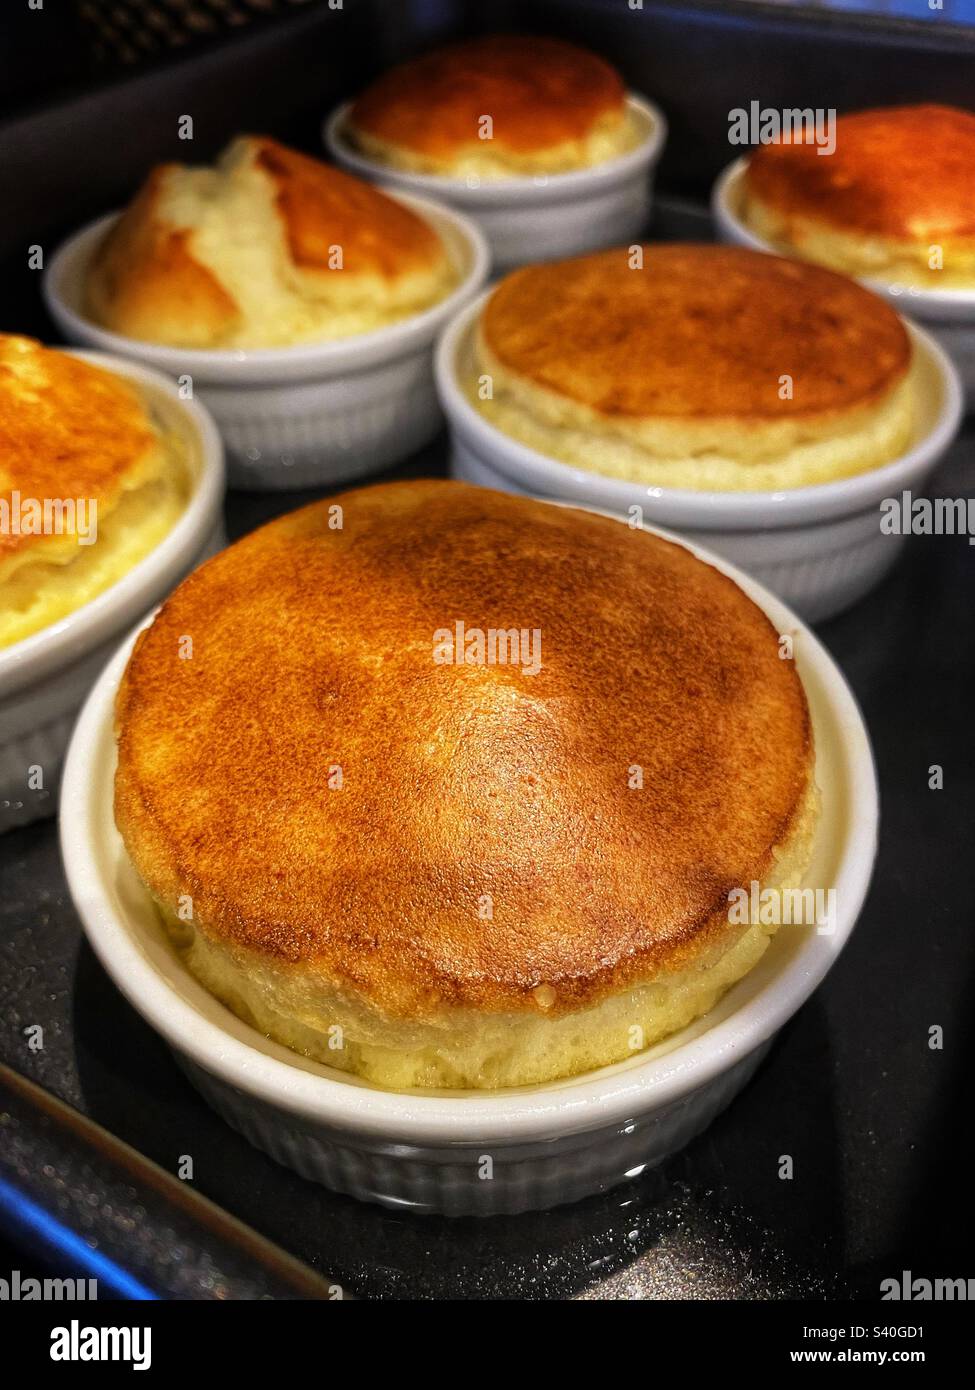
<point x="145" y="272"/>
<point x="68" y="429"/>
<point x="320" y="204"/>
<point x="539" y="92"/>
<point x="697" y="332"/>
<point x="901" y="172"/>
<point x="313" y="648"/>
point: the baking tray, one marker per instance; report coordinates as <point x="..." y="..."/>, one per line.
<point x="851" y="1089"/>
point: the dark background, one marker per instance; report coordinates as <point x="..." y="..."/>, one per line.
<point x="876" y="1122"/>
<point x="94" y="88"/>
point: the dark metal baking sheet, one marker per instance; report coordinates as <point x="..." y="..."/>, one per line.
<point x="851" y="1090"/>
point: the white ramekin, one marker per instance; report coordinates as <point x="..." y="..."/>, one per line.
<point x="537" y="219"/>
<point x="949" y="314"/>
<point x="425" y="1151"/>
<point x="819" y="548"/>
<point x="45" y="677"/>
<point x="305" y="416"/>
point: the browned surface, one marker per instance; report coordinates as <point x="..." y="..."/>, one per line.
<point x="314" y="647"/>
<point x="147" y="279"/>
<point x="538" y="92"/>
<point x="68" y="430"/>
<point x="699" y="331"/>
<point x="904" y="172"/>
<point x="321" y="207"/>
<point x="145" y="282"/>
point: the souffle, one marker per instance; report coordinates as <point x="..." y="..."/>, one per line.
<point x="699" y="367"/>
<point x="90" y="482"/>
<point x="267" y="249"/>
<point x="449" y="788"/>
<point x="895" y="202"/>
<point x="502" y="107"/>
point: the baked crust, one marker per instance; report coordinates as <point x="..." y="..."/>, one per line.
<point x="267" y="248"/>
<point x="145" y="281"/>
<point x="541" y="95"/>
<point x="901" y="172"/>
<point x="313" y="649"/>
<point x="68" y="430"/>
<point x="320" y="206"/>
<point x="699" y="332"/>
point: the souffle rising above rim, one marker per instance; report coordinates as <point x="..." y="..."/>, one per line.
<point x="445" y="787"/>
<point x="506" y="106"/>
<point x="895" y="201"/>
<point x="91" y="481"/>
<point x="267" y="248"/>
<point x="707" y="368"/>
